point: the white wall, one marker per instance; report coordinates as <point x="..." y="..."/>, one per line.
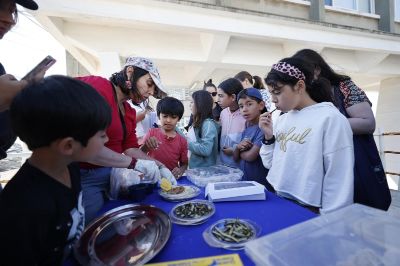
<point x="388" y="120"/>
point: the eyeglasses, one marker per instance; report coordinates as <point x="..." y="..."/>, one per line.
<point x="213" y="93"/>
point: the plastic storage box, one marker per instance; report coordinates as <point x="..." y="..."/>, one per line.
<point x="354" y="235"/>
<point x="217" y="173"/>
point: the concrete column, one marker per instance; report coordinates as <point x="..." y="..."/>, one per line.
<point x="109" y="63"/>
<point x="74" y="68"/>
<point x="385" y="8"/>
<point x="317" y="10"/>
<point x="387" y="112"/>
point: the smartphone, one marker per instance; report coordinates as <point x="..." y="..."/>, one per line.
<point x="45" y="64"/>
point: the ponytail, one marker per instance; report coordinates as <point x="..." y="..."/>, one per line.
<point x="209" y="83"/>
<point x="126" y="85"/>
<point x="258" y="83"/>
<point x="120" y="79"/>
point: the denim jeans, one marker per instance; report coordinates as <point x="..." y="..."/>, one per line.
<point x="95" y="186"/>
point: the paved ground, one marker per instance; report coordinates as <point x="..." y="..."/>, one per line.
<point x="13" y="162"/>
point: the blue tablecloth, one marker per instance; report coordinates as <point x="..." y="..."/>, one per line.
<point x="187" y="242"/>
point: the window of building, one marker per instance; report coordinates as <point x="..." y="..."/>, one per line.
<point x="397" y="10"/>
<point x="365" y="6"/>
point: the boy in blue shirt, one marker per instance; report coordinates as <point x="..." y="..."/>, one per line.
<point x="251" y="106"/>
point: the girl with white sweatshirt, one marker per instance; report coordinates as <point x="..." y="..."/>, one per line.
<point x="309" y="149"/>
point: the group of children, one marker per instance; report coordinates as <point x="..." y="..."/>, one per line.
<point x="237" y="146"/>
<point x="305" y="156"/>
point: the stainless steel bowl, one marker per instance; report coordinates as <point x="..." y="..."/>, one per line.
<point x="128" y="235"/>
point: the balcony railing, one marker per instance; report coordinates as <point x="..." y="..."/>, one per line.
<point x="387" y="134"/>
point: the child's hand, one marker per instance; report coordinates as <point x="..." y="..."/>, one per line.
<point x="151" y="143"/>
<point x="265" y="123"/>
<point x="178" y="172"/>
<point x="227" y="151"/>
<point x="244" y="145"/>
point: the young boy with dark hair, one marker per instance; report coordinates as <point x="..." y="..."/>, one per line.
<point x="165" y="144"/>
<point x="62" y="120"/>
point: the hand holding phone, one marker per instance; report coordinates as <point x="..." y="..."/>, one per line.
<point x="39" y="70"/>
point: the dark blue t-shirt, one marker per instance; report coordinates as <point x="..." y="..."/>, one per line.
<point x="255" y="170"/>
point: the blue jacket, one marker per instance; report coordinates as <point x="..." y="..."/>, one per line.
<point x="204" y="151"/>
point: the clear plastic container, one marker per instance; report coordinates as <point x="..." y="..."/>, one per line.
<point x="354" y="235"/>
<point x="194" y="219"/>
<point x="217" y="173"/>
<point x="220" y="227"/>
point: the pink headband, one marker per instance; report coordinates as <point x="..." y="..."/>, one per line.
<point x="286" y="68"/>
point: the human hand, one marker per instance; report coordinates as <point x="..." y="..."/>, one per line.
<point x="166" y="173"/>
<point x="244" y="145"/>
<point x="34" y="77"/>
<point x="9" y="88"/>
<point x="227" y="151"/>
<point x="149" y="169"/>
<point x="38" y="77"/>
<point x="178" y="172"/>
<point x="37" y="73"/>
<point x="265" y="124"/>
<point x="151" y="143"/>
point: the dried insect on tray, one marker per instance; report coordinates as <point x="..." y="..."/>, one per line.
<point x="233" y="231"/>
<point x="192" y="210"/>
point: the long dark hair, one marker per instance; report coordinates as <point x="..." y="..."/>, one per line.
<point x="126" y="84"/>
<point x="317" y="61"/>
<point x="256" y="81"/>
<point x="231" y="86"/>
<point x="319" y="89"/>
<point x="203" y="103"/>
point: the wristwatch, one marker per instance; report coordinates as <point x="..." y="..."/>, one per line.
<point x="270" y="141"/>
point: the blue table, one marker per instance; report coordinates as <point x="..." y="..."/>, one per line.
<point x="187" y="242"/>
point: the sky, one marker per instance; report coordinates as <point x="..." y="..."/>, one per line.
<point x="26" y="44"/>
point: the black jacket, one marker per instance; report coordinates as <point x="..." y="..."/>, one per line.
<point x="7" y="136"/>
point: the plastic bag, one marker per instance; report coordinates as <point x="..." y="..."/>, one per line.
<point x="218" y="173"/>
<point x="121" y="179"/>
<point x="149" y="169"/>
<point x="166" y="173"/>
